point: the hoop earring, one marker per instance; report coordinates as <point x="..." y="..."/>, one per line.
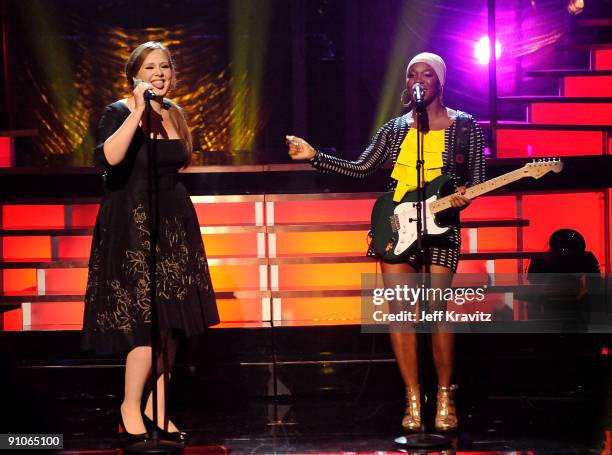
<point x="404" y="99"/>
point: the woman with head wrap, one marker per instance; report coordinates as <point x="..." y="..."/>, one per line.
<point x="396" y="141"/>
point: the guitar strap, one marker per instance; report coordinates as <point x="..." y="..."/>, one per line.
<point x="461" y="152"/>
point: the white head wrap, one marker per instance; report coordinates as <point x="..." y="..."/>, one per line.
<point x="433" y="60"/>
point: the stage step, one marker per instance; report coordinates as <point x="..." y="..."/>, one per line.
<point x="597" y="22"/>
<point x="521" y="126"/>
<point x="534" y="142"/>
<point x="234" y="229"/>
<point x="331" y="258"/>
<point x="524" y="99"/>
<point x="583" y="47"/>
<point x="567" y="72"/>
<point x="601" y="60"/>
<point x="569" y="112"/>
<point x="587" y="86"/>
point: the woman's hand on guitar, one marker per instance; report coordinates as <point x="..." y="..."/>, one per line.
<point x="299" y="149"/>
<point x="459" y="200"/>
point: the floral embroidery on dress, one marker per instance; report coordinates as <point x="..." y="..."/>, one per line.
<point x="177" y="272"/>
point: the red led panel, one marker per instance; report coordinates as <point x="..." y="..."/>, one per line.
<point x="239" y="310"/>
<point x="549" y="212"/>
<point x="473" y="266"/>
<point x="603" y="59"/>
<point x="322" y="309"/>
<point x="571" y="113"/>
<point x="32" y="216"/>
<point x="84" y="215"/>
<point x="12" y="320"/>
<point x="6" y="152"/>
<point x="65" y="281"/>
<point x="225" y="213"/>
<point x="57" y="315"/>
<point x="26" y="248"/>
<point x="609" y="266"/>
<point x="299" y="243"/>
<point x="594" y="86"/>
<point x="74" y="247"/>
<point x="490" y="207"/>
<point x="323" y="211"/>
<point x="538" y="143"/>
<point x="18" y="280"/>
<point x="240" y="245"/>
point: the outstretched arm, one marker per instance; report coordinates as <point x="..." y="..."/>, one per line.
<point x="370" y="160"/>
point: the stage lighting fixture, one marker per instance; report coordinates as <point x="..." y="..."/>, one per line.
<point x="481" y="50"/>
<point x="575" y="6"/>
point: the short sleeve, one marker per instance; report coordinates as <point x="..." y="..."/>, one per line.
<point x="109" y="122"/>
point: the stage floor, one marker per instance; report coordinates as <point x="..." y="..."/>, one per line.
<point x="366" y="425"/>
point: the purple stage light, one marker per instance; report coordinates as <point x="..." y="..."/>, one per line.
<point x="481" y="50"/>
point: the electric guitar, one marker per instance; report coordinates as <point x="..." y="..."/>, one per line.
<point x="394" y="229"/>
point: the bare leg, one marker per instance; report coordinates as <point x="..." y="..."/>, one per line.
<point x="137" y="370"/>
<point x="404" y="343"/>
<point x="165" y="363"/>
<point x="443" y="342"/>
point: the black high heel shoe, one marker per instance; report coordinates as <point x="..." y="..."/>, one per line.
<point x="131" y="437"/>
<point x="176" y="436"/>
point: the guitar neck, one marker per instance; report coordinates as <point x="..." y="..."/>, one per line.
<point x="480" y="189"/>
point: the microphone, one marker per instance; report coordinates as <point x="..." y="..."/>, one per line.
<point x="419" y="93"/>
<point x="148" y="94"/>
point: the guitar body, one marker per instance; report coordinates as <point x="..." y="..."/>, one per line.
<point x="393" y="224"/>
<point x="393" y="227"/>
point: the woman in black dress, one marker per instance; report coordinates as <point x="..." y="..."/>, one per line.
<point x="393" y="142"/>
<point x="117" y="302"/>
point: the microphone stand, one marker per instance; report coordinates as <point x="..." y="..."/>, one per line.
<point x="423" y="439"/>
<point x="155" y="445"/>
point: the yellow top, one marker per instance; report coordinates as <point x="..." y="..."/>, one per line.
<point x="405" y="171"/>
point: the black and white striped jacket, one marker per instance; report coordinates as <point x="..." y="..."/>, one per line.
<point x="386" y="144"/>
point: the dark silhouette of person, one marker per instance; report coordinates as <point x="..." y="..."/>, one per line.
<point x="571" y="278"/>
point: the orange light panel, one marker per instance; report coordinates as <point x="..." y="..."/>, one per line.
<point x="239" y="310"/>
<point x="74" y="247"/>
<point x="323" y="211"/>
<point x="327" y="276"/>
<point x="18" y="280"/>
<point x="26" y="248"/>
<point x="322" y="309"/>
<point x="595" y="86"/>
<point x="225" y="213"/>
<point x="538" y="143"/>
<point x="231" y="244"/>
<point x="571" y="113"/>
<point x="289" y="243"/>
<point x="235" y="277"/>
<point x="549" y="212"/>
<point x="84" y="215"/>
<point x="603" y="59"/>
<point x="497" y="239"/>
<point x="32" y="216"/>
<point x="65" y="281"/>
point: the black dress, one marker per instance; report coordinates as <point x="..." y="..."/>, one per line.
<point x="117" y="301"/>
